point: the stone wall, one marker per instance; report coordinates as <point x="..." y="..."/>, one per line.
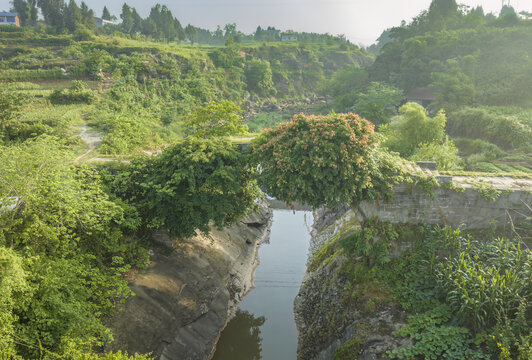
<point x="465" y="206"/>
<point x="327" y="320"/>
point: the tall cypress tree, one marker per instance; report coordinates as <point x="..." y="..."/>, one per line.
<point x="53" y="13"/>
<point x="127" y="18"/>
<point x="72" y="16"/>
<point x="32" y="5"/>
<point x="106" y="15"/>
<point x="22" y="8"/>
<point x="87" y="16"/>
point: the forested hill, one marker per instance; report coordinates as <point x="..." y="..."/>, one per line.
<point x="472" y="65"/>
<point x="472" y="57"/>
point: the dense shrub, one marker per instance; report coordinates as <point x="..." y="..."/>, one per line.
<point x="477" y="123"/>
<point x="215" y="120"/>
<point x="378" y="104"/>
<point x="318" y="160"/>
<point x="444" y="154"/>
<point x="487" y="281"/>
<point x="78" y="92"/>
<point x="468" y="298"/>
<point x="412" y="128"/>
<point x="259" y="77"/>
<point x="478" y="146"/>
<point x="62" y="246"/>
<point x="190" y="186"/>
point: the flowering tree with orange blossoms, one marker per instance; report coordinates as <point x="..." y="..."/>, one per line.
<point x="318" y="160"/>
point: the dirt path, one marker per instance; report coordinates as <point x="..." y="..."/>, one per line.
<point x="93" y="139"/>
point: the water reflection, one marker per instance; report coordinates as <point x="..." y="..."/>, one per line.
<point x="241" y="339"/>
<point x="277" y="281"/>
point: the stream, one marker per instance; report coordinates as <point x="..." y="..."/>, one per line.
<point x="264" y="326"/>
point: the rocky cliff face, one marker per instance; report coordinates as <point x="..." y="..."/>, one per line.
<point x="329" y="322"/>
<point x="185" y="298"/>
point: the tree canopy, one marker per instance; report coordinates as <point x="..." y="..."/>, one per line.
<point x="378" y="103"/>
<point x="190" y="185"/>
<point x="317" y="160"/>
<point x="63" y="251"/>
<point x="216" y="119"/>
<point x="413" y="127"/>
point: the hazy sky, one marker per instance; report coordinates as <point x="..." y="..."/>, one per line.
<point x="362" y="21"/>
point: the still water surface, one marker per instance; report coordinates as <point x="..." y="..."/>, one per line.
<point x="264" y="326"/>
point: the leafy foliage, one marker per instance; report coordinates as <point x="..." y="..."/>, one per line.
<point x="487" y="282"/>
<point x="11" y="104"/>
<point x="259" y="77"/>
<point x="468" y="298"/>
<point x="502" y="130"/>
<point x="62" y="243"/>
<point x="378" y="104"/>
<point x="216" y="119"/>
<point x="361" y="243"/>
<point x="13" y="289"/>
<point x="345" y="85"/>
<point x="436" y="340"/>
<point x="455" y="88"/>
<point x="413" y="127"/>
<point x="444" y="154"/>
<point x="77" y="93"/>
<point x="317" y="160"/>
<point x="190" y="185"/>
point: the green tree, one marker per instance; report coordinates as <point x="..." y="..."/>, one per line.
<point x="27" y="11"/>
<point x="11" y="104"/>
<point x="191" y="33"/>
<point x="70" y="236"/>
<point x="106" y="15"/>
<point x="317" y="160"/>
<point x="52" y="11"/>
<point x="378" y="103"/>
<point x="216" y="119"/>
<point x="87" y="16"/>
<point x="127" y="19"/>
<point x="442" y="9"/>
<point x="259" y="77"/>
<point x="413" y="127"/>
<point x="51" y="201"/>
<point x="137" y="22"/>
<point x="72" y="15"/>
<point x="161" y="23"/>
<point x="526" y="14"/>
<point x="345" y="86"/>
<point x="230" y="31"/>
<point x="191" y="185"/>
<point x="455" y="89"/>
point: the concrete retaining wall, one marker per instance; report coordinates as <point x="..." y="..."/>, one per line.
<point x="468" y="209"/>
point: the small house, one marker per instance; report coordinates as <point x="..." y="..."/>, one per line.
<point x="9" y="18"/>
<point x="424" y="96"/>
<point x="99" y="22"/>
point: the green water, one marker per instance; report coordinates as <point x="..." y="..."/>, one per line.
<point x="264" y="326"/>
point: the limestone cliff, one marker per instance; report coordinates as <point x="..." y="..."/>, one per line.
<point x="325" y="318"/>
<point x="184" y="299"/>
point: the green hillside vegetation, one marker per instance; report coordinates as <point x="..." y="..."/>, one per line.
<point x="478" y="64"/>
<point x="71" y="228"/>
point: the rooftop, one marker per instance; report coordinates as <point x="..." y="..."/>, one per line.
<point x="8" y="13"/>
